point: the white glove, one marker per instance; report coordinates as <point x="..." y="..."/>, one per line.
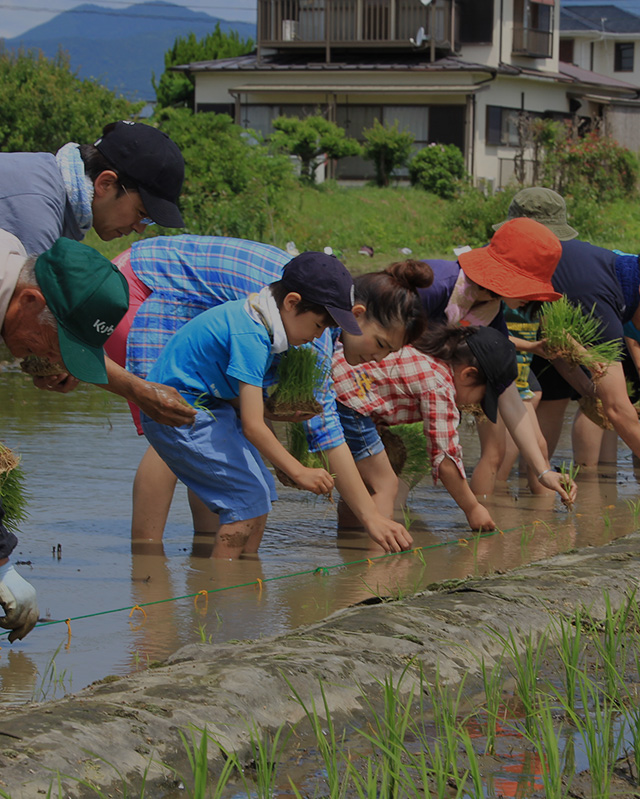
<point x="18" y="598"/>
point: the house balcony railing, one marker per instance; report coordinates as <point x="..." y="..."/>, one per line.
<point x="532" y="42"/>
<point x="308" y="24"/>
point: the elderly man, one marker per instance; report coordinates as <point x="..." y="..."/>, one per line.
<point x="130" y="178"/>
<point x="62" y="306"/>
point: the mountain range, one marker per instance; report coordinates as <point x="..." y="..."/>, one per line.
<point x="122" y="48"/>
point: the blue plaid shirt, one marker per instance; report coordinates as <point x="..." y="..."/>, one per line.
<point x="187" y="275"/>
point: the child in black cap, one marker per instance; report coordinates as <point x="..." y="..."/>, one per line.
<point x="218" y="362"/>
<point x="446" y="367"/>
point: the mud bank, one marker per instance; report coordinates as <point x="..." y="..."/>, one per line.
<point x="134" y="722"/>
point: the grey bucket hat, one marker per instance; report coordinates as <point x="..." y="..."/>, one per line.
<point x="545" y="206"/>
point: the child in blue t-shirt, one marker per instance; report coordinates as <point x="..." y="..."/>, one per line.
<point x="218" y="361"/>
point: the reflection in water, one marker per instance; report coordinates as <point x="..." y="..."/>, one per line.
<point x="80" y="453"/>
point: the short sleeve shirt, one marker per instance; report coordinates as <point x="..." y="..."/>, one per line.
<point x="214" y="352"/>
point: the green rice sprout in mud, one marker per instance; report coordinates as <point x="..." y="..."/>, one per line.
<point x="569" y="472"/>
<point x="573" y="335"/>
<point x="12" y="490"/>
<point x="300" y="372"/>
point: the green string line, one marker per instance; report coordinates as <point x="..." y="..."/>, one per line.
<point x="317" y="570"/>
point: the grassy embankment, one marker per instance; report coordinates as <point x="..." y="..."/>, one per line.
<point x="389" y="219"/>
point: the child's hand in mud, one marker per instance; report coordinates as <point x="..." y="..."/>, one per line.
<point x="318" y="481"/>
<point x="479" y="518"/>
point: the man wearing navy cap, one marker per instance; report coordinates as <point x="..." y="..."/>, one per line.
<point x="129" y="178"/>
<point x="62" y="306"/>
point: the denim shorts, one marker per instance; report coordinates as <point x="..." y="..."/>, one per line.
<point x="360" y="433"/>
<point x="214" y="459"/>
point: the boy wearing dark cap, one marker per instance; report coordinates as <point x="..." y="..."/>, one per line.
<point x="130" y="178"/>
<point x="220" y="358"/>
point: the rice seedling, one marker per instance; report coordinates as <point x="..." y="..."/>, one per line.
<point x="12" y="489"/>
<point x="446" y="711"/>
<point x="601" y="735"/>
<point x="492" y="681"/>
<point x="390" y="731"/>
<point x="51" y="681"/>
<point x="612" y="645"/>
<point x="267" y="754"/>
<point x="326" y="740"/>
<point x="570" y="649"/>
<point x="632" y="717"/>
<point x="202" y="633"/>
<point x="526" y="665"/>
<point x="474" y="767"/>
<point x="301" y="372"/>
<point x="197" y="754"/>
<point x="573" y="335"/>
<point x="634" y="507"/>
<point x="547" y="739"/>
<point x="569" y="472"/>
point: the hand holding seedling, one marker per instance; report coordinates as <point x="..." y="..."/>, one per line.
<point x="318" y="481"/>
<point x="164" y="405"/>
<point x="563" y="484"/>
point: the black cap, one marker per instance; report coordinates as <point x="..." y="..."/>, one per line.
<point x="496" y="356"/>
<point x="324" y="280"/>
<point x="154" y="162"/>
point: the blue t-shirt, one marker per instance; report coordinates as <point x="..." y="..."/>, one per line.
<point x="212" y="353"/>
<point x="33" y="201"/>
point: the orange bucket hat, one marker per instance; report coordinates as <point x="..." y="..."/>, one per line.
<point x="518" y="263"/>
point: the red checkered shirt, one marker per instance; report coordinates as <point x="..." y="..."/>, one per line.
<point x="407" y="386"/>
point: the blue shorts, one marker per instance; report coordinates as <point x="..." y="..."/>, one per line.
<point x="360" y="433"/>
<point x="214" y="459"/>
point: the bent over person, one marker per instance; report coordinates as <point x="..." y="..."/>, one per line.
<point x="62" y="305"/>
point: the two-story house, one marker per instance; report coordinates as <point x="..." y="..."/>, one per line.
<point x="450" y="71"/>
<point x="606" y="39"/>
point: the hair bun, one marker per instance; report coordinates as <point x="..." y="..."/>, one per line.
<point x="411" y="274"/>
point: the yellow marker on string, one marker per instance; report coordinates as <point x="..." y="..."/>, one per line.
<point x="205" y="594"/>
<point x="137" y="607"/>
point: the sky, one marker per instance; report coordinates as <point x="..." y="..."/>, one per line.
<point x="18" y="16"/>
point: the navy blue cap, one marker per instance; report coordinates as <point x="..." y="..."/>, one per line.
<point x="324" y="280"/>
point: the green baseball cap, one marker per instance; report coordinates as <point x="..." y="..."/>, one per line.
<point x="545" y="206"/>
<point x="88" y="297"/>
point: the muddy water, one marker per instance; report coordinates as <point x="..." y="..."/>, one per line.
<point x="80" y="453"/>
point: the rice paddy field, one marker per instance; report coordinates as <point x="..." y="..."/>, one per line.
<point x="105" y="613"/>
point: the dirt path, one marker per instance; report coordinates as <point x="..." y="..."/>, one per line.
<point x="127" y="721"/>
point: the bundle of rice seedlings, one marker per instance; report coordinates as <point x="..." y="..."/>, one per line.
<point x="593" y="410"/>
<point x="415" y="462"/>
<point x="300" y="372"/>
<point x="298" y="446"/>
<point x="36" y="366"/>
<point x="12" y="490"/>
<point x="573" y="335"/>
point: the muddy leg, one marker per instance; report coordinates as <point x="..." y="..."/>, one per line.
<point x="236" y="538"/>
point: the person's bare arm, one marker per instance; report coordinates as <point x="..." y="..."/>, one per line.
<point x="161" y="403"/>
<point x="319" y="481"/>
<point x="477" y="515"/>
<point x="390" y="535"/>
<point x="612" y="390"/>
<point x="523" y="433"/>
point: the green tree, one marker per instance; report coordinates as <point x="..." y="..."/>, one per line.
<point x="178" y="88"/>
<point x="438" y="168"/>
<point x="311" y="139"/>
<point x="233" y="185"/>
<point x="388" y="147"/>
<point x="44" y="104"/>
